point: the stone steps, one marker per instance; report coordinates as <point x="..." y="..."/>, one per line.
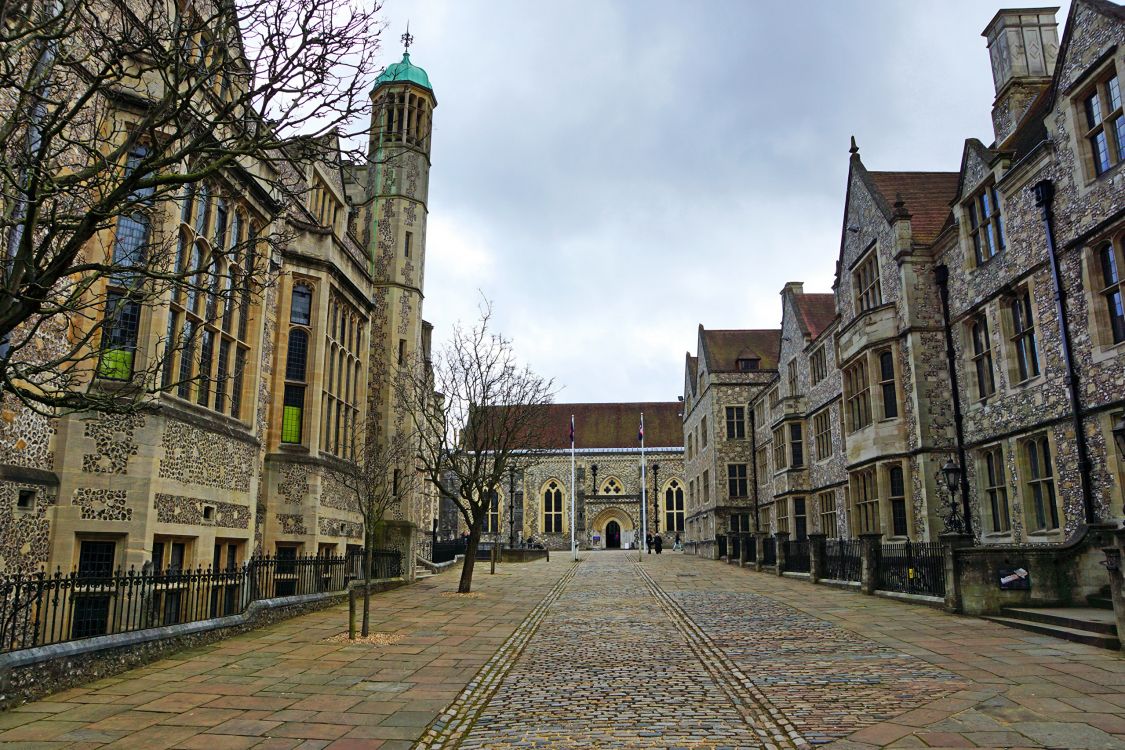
<point x="1101" y="600"/>
<point x="1089" y="625"/>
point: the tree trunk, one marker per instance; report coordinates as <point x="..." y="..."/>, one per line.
<point x="466" y="584"/>
<point x="366" y="584"/>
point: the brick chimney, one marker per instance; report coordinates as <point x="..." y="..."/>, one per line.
<point x="1022" y="44"/>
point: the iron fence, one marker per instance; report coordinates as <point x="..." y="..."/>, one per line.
<point x="842" y="560"/>
<point x="722" y="540"/>
<point x="797" y="556"/>
<point x="735" y="547"/>
<point x="41" y="608"/>
<point x="426" y="549"/>
<point x="446" y="551"/>
<point x="769" y="551"/>
<point x="751" y="543"/>
<point x="911" y="568"/>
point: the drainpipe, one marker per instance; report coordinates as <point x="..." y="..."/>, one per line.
<point x="942" y="276"/>
<point x="1044" y="192"/>
<point x="754" y="462"/>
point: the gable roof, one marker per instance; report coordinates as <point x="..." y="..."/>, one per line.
<point x="815" y="312"/>
<point x="613" y="425"/>
<point x="692" y="368"/>
<point x="723" y="348"/>
<point x="927" y="196"/>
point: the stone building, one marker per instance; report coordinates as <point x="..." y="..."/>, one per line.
<point x="976" y="321"/>
<point x="607" y="481"/>
<point x="267" y="397"/>
<point x="729" y="369"/>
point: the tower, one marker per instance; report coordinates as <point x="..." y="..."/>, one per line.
<point x="398" y="187"/>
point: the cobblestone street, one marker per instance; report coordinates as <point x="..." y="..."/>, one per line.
<point x="672" y="652"/>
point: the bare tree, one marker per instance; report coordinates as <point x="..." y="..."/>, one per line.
<point x="114" y="116"/>
<point x="381" y="477"/>
<point x="484" y="418"/>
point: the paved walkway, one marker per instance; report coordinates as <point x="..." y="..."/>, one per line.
<point x="674" y="652"/>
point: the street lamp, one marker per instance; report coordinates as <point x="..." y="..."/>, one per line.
<point x="512" y="507"/>
<point x="656" y="498"/>
<point x="951" y="474"/>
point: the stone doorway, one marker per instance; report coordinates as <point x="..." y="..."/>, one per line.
<point x="613" y="535"/>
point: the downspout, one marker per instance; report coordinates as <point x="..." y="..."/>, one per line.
<point x="1044" y="193"/>
<point x="754" y="462"/>
<point x="942" y="276"/>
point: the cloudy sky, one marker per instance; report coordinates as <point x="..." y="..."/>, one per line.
<point x="613" y="174"/>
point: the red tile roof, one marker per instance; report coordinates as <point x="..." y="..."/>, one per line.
<point x="817" y="311"/>
<point x="927" y="196"/>
<point x="723" y="348"/>
<point x="614" y="425"/>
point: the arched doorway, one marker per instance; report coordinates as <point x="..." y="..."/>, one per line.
<point x="613" y="535"/>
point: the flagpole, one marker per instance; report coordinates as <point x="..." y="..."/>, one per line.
<point x="573" y="492"/>
<point x="644" y="497"/>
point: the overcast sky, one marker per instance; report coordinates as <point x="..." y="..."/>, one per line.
<point x="611" y="175"/>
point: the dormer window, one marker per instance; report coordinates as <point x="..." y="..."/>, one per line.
<point x="748" y="364"/>
<point x="986" y="226"/>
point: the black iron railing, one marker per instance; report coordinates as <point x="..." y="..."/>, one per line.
<point x="842" y="560"/>
<point x="425" y="549"/>
<point x="446" y="551"/>
<point x="769" y="551"/>
<point x="912" y="568"/>
<point x="797" y="556"/>
<point x="41" y="608"/>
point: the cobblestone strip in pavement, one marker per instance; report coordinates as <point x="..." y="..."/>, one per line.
<point x="768" y="721"/>
<point x="450" y="727"/>
<point x="889" y="674"/>
<point x="608" y="668"/>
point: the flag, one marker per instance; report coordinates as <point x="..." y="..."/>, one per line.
<point x="572" y="429"/>
<point x="641" y="430"/>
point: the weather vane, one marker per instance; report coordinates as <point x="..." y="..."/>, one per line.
<point x="407" y="39"/>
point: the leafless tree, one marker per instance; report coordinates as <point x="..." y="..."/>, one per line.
<point x="114" y="115"/>
<point x="485" y="418"/>
<point x="381" y="477"/>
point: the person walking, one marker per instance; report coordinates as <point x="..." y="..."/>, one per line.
<point x="658" y="542"/>
<point x="678" y="547"/>
<point x="648" y="542"/>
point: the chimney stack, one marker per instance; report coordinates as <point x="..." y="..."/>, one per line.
<point x="1022" y="44"/>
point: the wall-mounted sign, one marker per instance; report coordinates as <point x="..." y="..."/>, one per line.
<point x="1015" y="579"/>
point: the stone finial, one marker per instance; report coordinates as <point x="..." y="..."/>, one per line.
<point x="854" y="149"/>
<point x="900" y="211"/>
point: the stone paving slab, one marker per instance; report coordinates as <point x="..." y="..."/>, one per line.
<point x="673" y="652"/>
<point x="285" y="686"/>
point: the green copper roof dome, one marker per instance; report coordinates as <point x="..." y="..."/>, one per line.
<point x="404" y="72"/>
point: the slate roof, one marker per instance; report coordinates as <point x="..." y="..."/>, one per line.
<point x="614" y="425"/>
<point x="927" y="196"/>
<point x="723" y="348"/>
<point x="816" y="311"/>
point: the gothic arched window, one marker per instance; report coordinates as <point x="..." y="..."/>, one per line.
<point x="674" y="506"/>
<point x="552" y="508"/>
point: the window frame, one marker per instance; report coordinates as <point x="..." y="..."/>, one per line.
<point x="888" y="385"/>
<point x="994" y="489"/>
<point x="1108" y="122"/>
<point x="986" y="224"/>
<point x="738" y="481"/>
<point x="736" y="422"/>
<point x="857" y="395"/>
<point x="822" y="433"/>
<point x="868" y="284"/>
<point x="1041" y="502"/>
<point x="980" y="356"/>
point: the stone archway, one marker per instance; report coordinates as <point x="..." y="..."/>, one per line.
<point x="600" y="529"/>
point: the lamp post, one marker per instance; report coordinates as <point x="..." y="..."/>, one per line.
<point x="512" y="507"/>
<point x="655" y="498"/>
<point x="951" y="474"/>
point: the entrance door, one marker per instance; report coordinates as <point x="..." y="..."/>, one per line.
<point x="613" y="535"/>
